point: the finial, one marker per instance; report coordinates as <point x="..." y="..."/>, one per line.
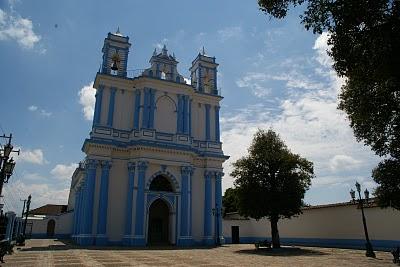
<point x="164" y="50"/>
<point x="173" y="55"/>
<point x="203" y="52"/>
<point x="118" y="32"/>
<point x="155" y="52"/>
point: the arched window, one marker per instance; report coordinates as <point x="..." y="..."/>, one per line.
<point x="163" y="75"/>
<point x="160" y="183"/>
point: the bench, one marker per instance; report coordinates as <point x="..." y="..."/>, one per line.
<point x="265" y="243"/>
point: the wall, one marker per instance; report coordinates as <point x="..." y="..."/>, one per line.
<point x="332" y="226"/>
<point x="63" y="226"/>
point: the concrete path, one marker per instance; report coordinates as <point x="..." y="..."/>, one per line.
<point x="47" y="252"/>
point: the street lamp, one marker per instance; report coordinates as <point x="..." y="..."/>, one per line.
<point x="217" y="212"/>
<point x="6" y="164"/>
<point x="369" y="249"/>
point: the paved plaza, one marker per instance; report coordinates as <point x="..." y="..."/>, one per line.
<point x="55" y="253"/>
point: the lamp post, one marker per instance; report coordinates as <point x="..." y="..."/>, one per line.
<point x="369" y="250"/>
<point x="217" y="212"/>
<point x="6" y="164"/>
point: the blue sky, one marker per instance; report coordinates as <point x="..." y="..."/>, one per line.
<point x="272" y="74"/>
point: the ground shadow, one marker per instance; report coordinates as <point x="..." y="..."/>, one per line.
<point x="284" y="251"/>
<point x="68" y="245"/>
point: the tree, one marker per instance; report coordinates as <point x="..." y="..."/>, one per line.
<point x="271" y="181"/>
<point x="386" y="175"/>
<point x="229" y="200"/>
<point x="365" y="48"/>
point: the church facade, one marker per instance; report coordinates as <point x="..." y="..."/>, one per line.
<point x="153" y="167"/>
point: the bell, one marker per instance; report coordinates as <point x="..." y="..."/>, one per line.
<point x="114" y="66"/>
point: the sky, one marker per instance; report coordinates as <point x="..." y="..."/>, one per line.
<point x="272" y="74"/>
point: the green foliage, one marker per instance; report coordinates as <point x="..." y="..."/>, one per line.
<point x="229" y="200"/>
<point x="365" y="48"/>
<point x="271" y="181"/>
<point x="386" y="175"/>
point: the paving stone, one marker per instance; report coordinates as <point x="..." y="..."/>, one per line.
<point x="39" y="253"/>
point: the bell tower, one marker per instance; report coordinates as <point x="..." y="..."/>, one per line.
<point x="115" y="54"/>
<point x="204" y="73"/>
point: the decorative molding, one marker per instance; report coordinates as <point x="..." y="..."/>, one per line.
<point x="187" y="170"/>
<point x="106" y="164"/>
<point x="131" y="166"/>
<point x="91" y="164"/>
<point x="169" y="175"/>
<point x="142" y="165"/>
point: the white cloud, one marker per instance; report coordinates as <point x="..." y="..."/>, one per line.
<point x="253" y="82"/>
<point x="343" y="162"/>
<point x="87" y="98"/>
<point x="34" y="156"/>
<point x="42" y="194"/>
<point x="32" y="108"/>
<point x="307" y="119"/>
<point x="160" y="45"/>
<point x="63" y="172"/>
<point x="39" y="111"/>
<point x="14" y="27"/>
<point x="228" y="33"/>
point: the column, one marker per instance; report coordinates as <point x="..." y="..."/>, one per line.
<point x="111" y="107"/>
<point x="10" y="224"/>
<point x="82" y="210"/>
<point x="190" y="117"/>
<point x="217" y="134"/>
<point x="97" y="108"/>
<point x="179" y="115"/>
<point x="87" y="235"/>
<point x="127" y="240"/>
<point x="139" y="238"/>
<point x="137" y="110"/>
<point x="76" y="212"/>
<point x="152" y="108"/>
<point x="199" y="79"/>
<point x="218" y="206"/>
<point x="185" y="114"/>
<point x="145" y="114"/>
<point x="184" y="237"/>
<point x="101" y="237"/>
<point x="215" y="82"/>
<point x="208" y="239"/>
<point x="207" y="121"/>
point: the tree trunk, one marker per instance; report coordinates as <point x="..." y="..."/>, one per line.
<point x="276" y="243"/>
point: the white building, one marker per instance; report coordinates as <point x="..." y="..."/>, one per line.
<point x="153" y="166"/>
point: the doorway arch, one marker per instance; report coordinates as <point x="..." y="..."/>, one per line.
<point x="51" y="225"/>
<point x="159" y="223"/>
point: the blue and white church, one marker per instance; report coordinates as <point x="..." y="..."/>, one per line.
<point x="153" y="166"/>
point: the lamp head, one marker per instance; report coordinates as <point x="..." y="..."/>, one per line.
<point x="358" y="186"/>
<point x="353" y="194"/>
<point x="7" y="150"/>
<point x="366" y="194"/>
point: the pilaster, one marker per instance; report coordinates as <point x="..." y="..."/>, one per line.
<point x="127" y="239"/>
<point x="207" y="239"/>
<point x="86" y="238"/>
<point x="139" y="238"/>
<point x="185" y="239"/>
<point x="101" y="237"/>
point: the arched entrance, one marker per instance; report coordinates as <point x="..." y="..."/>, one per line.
<point x="51" y="225"/>
<point x="158" y="226"/>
